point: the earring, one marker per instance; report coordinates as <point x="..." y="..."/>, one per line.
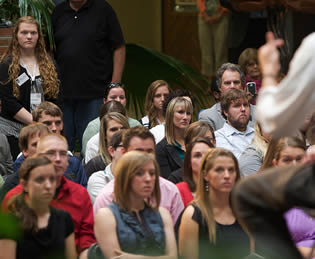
<point x="207" y="186"/>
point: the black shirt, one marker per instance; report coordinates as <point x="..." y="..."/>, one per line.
<point x="231" y="240"/>
<point x="10" y="104"/>
<point x="85" y="40"/>
<point x="48" y="242"/>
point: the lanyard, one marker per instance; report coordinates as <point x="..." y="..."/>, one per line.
<point x="32" y="75"/>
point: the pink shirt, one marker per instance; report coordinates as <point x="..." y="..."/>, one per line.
<point x="170" y="198"/>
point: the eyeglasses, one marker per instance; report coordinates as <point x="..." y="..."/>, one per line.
<point x="113" y="85"/>
<point x="52" y="154"/>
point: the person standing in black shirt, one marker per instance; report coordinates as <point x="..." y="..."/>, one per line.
<point x="90" y="52"/>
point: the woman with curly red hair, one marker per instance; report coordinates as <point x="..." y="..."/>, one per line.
<point x="27" y="77"/>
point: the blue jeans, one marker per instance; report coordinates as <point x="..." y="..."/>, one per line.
<point x="76" y="116"/>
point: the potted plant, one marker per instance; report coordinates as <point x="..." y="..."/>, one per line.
<point x="11" y="10"/>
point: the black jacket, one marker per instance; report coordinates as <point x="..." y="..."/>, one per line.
<point x="167" y="157"/>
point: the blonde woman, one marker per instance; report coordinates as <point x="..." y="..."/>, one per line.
<point x="156" y="94"/>
<point x="110" y="123"/>
<point x="27" y="77"/>
<point x="170" y="151"/>
<point x="134" y="226"/>
<point x="208" y="227"/>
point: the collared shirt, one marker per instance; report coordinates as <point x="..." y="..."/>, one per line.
<point x="74" y="172"/>
<point x="158" y="132"/>
<point x="85" y="40"/>
<point x="214" y="117"/>
<point x="98" y="180"/>
<point x="74" y="199"/>
<point x="170" y="198"/>
<point x="231" y="139"/>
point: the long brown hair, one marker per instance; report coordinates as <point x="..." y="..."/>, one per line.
<point x="276" y="146"/>
<point x="202" y="199"/>
<point x="46" y="66"/>
<point x="103" y="145"/>
<point x="17" y="204"/>
<point x="148" y="105"/>
<point x="128" y="166"/>
<point x="187" y="169"/>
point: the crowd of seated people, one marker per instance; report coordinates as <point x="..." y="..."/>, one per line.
<point x="138" y="186"/>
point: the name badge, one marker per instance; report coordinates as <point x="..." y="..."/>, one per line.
<point x="22" y="79"/>
<point x="36" y="99"/>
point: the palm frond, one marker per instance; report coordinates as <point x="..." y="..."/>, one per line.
<point x="40" y="9"/>
<point x="144" y="65"/>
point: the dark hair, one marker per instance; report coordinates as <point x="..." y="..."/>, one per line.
<point x="187" y="170"/>
<point x="112" y="106"/>
<point x="229" y="97"/>
<point x="111" y="86"/>
<point x="116" y="139"/>
<point x="17" y="204"/>
<point x="138" y="131"/>
<point x="310" y="132"/>
<point x="230" y="67"/>
<point x="174" y="94"/>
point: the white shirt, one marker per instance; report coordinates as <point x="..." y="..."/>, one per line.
<point x="92" y="148"/>
<point x="98" y="180"/>
<point x="158" y="132"/>
<point x="231" y="139"/>
<point x="282" y="109"/>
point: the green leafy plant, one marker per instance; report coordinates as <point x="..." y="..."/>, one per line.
<point x="41" y="10"/>
<point x="145" y="65"/>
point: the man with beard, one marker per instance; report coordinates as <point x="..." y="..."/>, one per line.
<point x="235" y="135"/>
<point x="229" y="76"/>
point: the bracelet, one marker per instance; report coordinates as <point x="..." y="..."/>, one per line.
<point x="269" y="75"/>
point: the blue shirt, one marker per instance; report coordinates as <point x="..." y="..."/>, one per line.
<point x="231" y="139"/>
<point x="75" y="171"/>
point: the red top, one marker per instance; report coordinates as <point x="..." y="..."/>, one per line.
<point x="74" y="199"/>
<point x="185" y="193"/>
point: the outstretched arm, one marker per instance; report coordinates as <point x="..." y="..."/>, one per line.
<point x="278" y="106"/>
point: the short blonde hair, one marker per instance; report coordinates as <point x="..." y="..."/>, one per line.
<point x="128" y="166"/>
<point x="169" y="124"/>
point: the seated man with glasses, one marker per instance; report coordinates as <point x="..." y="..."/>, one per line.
<point x="70" y="196"/>
<point x="50" y="114"/>
<point x="28" y="139"/>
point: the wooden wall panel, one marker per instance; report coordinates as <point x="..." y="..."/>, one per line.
<point x="180" y="34"/>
